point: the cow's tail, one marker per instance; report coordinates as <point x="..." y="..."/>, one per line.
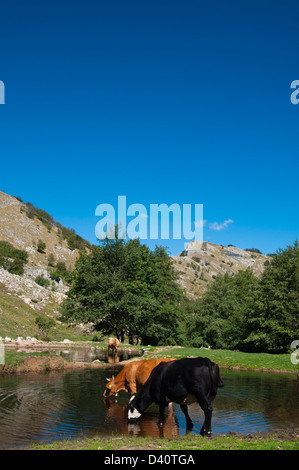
<point x="216" y="381"/>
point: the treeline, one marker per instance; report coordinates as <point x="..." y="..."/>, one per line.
<point x="248" y="313"/>
<point x="126" y="289"/>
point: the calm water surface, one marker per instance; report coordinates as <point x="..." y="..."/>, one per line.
<point x="64" y="405"/>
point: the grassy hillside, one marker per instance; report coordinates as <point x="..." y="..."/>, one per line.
<point x="17" y="318"/>
<point x="46" y="243"/>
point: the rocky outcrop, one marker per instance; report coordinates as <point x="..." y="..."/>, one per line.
<point x="29" y="291"/>
<point x="200" y="262"/>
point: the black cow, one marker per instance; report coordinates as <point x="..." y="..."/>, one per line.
<point x="183" y="381"/>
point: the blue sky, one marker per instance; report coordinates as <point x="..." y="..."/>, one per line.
<point x="163" y="101"/>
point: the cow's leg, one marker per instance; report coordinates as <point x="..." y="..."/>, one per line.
<point x="189" y="423"/>
<point x="161" y="414"/>
<point x="207" y="407"/>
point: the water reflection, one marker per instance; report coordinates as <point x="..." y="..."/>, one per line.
<point x="116" y="413"/>
<point x="112" y="357"/>
<point x="60" y="405"/>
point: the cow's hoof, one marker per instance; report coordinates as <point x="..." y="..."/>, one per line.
<point x="204" y="432"/>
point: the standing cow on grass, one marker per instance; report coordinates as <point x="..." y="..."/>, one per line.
<point x="183" y="381"/>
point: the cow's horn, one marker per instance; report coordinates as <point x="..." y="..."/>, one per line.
<point x="107" y="379"/>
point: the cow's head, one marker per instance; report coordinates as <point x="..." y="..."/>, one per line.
<point x="133" y="409"/>
<point x="110" y="389"/>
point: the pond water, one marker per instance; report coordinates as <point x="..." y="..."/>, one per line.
<point x="63" y="405"/>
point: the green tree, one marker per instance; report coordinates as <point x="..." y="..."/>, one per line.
<point x="275" y="322"/>
<point x="124" y="288"/>
<point x="220" y="317"/>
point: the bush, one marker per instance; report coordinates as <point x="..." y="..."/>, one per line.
<point x="60" y="271"/>
<point x="12" y="259"/>
<point x="74" y="241"/>
<point x="44" y="325"/>
<point x="42" y="281"/>
<point x="254" y="250"/>
<point x="41" y="246"/>
<point x="44" y="217"/>
<point x="30" y="210"/>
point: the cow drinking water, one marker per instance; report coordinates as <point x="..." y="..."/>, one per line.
<point x="132" y="377"/>
<point x="113" y="345"/>
<point x="183" y="381"/>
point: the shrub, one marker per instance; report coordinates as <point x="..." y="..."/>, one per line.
<point x="42" y="281"/>
<point x="30" y="210"/>
<point x="41" y="246"/>
<point x="44" y="325"/>
<point x="253" y="250"/>
<point x="74" y="241"/>
<point x="60" y="271"/>
<point x="44" y="217"/>
<point x="12" y="259"/>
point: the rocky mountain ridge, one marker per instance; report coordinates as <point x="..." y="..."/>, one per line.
<point x="200" y="262"/>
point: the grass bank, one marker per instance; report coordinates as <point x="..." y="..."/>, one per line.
<point x="233" y="359"/>
<point x="227" y="359"/>
<point x="265" y="441"/>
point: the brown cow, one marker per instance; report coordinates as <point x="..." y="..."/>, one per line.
<point x="132" y="377"/>
<point x="113" y="344"/>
